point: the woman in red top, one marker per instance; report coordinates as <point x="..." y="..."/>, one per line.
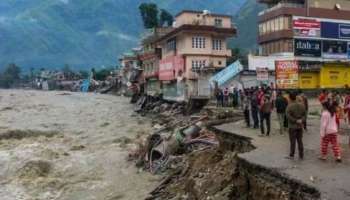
<point x="323" y="96"/>
<point x="347" y="106"/>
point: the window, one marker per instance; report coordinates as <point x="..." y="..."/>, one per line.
<point x="218" y="22"/>
<point x="171" y="45"/>
<point x="198" y="64"/>
<point x="198" y="42"/>
<point x="217" y="44"/>
<point x="220" y="63"/>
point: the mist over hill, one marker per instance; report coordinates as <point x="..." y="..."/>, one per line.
<point x="91" y="33"/>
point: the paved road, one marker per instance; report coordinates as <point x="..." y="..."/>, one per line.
<point x="330" y="178"/>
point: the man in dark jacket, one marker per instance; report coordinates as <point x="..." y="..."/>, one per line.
<point x="255" y="109"/>
<point x="296" y="115"/>
<point x="281" y="104"/>
<point x="265" y="114"/>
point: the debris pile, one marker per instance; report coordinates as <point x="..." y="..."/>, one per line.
<point x="163" y="148"/>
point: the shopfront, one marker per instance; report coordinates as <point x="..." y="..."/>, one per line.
<point x="309" y="80"/>
<point x="335" y="75"/>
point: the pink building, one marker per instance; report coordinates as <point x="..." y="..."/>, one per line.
<point x="192" y="52"/>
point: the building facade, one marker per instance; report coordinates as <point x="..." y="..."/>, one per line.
<point x="192" y="52"/>
<point x="150" y="56"/>
<point x="315" y="33"/>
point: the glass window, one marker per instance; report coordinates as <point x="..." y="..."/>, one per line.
<point x="218" y="22"/>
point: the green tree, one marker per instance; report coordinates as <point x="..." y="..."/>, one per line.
<point x="165" y="18"/>
<point x="102" y="74"/>
<point x="238" y="54"/>
<point x="149" y="14"/>
<point x="10" y="75"/>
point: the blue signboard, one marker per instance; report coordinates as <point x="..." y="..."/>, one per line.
<point x="226" y="74"/>
<point x="335" y="30"/>
<point x="344" y="31"/>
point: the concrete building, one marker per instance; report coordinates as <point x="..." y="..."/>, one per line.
<point x="315" y="33"/>
<point x="150" y="56"/>
<point x="194" y="50"/>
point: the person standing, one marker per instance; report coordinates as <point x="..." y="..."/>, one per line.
<point x="226" y="96"/>
<point x="218" y="97"/>
<point x="265" y="110"/>
<point x="347" y="106"/>
<point x="235" y="97"/>
<point x="281" y="104"/>
<point x="329" y="131"/>
<point x="305" y="102"/>
<point x="323" y="96"/>
<point x="296" y="115"/>
<point x="246" y="105"/>
<point x="255" y="109"/>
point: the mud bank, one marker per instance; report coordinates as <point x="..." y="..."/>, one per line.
<point x="221" y="174"/>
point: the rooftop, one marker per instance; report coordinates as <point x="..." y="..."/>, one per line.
<point x="201" y="12"/>
<point x="198" y="28"/>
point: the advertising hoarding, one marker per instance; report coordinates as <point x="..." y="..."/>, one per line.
<point x="262" y="74"/>
<point x="306" y="27"/>
<point x="287" y="74"/>
<point x="308" y="48"/>
<point x="335" y="30"/>
<point x="335" y="49"/>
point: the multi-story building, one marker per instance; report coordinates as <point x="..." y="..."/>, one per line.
<point x="315" y="33"/>
<point x="150" y="57"/>
<point x="194" y="50"/>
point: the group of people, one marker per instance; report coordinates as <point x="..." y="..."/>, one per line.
<point x="228" y="97"/>
<point x="292" y="110"/>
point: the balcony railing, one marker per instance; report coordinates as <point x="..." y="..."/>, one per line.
<point x="281" y="5"/>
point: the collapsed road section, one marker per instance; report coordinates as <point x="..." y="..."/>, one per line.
<point x="215" y="167"/>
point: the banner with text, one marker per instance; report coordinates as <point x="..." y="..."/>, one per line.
<point x="306" y="27"/>
<point x="262" y="74"/>
<point x="287" y="74"/>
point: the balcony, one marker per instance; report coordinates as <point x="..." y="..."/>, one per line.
<point x="281" y="5"/>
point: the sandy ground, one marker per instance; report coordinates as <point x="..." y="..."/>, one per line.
<point x="65" y="146"/>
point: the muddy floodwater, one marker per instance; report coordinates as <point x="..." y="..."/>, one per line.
<point x="69" y="146"/>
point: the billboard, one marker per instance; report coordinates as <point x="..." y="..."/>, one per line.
<point x="287" y="74"/>
<point x="335" y="49"/>
<point x="170" y="67"/>
<point x="308" y="48"/>
<point x="262" y="74"/>
<point x="335" y="30"/>
<point x="306" y="27"/>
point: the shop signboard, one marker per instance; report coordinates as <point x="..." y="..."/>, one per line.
<point x="262" y="74"/>
<point x="308" y="48"/>
<point x="306" y="27"/>
<point x="170" y="67"/>
<point x="287" y="74"/>
<point x="335" y="49"/>
<point x="335" y="30"/>
<point x="344" y="31"/>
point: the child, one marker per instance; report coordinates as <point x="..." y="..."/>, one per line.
<point x="329" y="131"/>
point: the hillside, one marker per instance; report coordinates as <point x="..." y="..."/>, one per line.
<point x="247" y="35"/>
<point x="86" y="33"/>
